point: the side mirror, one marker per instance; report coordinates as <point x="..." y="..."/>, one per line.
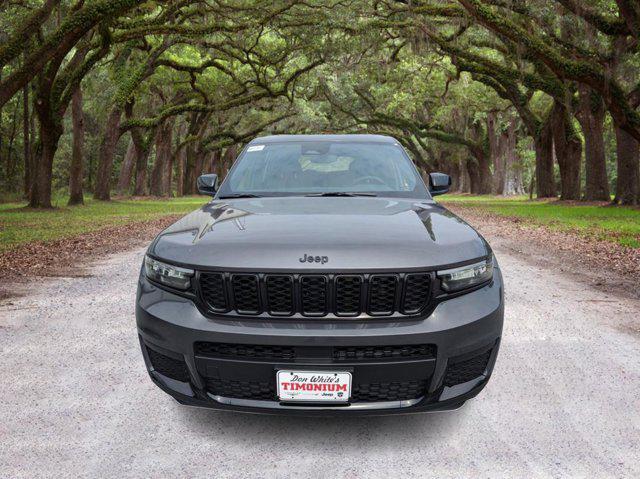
<point x="208" y="184"/>
<point x="439" y="183"/>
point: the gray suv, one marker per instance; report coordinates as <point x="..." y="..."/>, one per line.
<point x="321" y="279"/>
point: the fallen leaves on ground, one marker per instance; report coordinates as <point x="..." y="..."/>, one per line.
<point x="603" y="258"/>
<point x="65" y="257"/>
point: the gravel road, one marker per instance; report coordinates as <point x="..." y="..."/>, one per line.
<point x="76" y="401"/>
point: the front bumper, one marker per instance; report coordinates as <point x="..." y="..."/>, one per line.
<point x="464" y="331"/>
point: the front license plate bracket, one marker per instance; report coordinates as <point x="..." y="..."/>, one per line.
<point x="300" y="386"/>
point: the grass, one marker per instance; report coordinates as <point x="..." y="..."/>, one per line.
<point x="617" y="224"/>
<point x="19" y="225"/>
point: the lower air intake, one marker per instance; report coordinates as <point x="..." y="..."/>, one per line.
<point x="461" y="371"/>
<point x="263" y="391"/>
<point x="169" y="367"/>
<point x="394" y="391"/>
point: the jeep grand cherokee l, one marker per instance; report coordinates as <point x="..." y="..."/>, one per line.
<point x="321" y="279"/>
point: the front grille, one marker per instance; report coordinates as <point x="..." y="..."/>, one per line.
<point x="366" y="392"/>
<point x="244" y="351"/>
<point x="342" y="354"/>
<point x="315" y="295"/>
<point x="364" y="353"/>
<point x="172" y="368"/>
<point x="264" y="391"/>
<point x="461" y="371"/>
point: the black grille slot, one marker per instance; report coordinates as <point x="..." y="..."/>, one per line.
<point x="213" y="291"/>
<point x="382" y="294"/>
<point x="244" y="351"/>
<point x="348" y="294"/>
<point x="172" y="368"/>
<point x="245" y="293"/>
<point x="394" y="391"/>
<point x="364" y="353"/>
<point x="280" y="295"/>
<point x="461" y="371"/>
<point x="416" y="293"/>
<point x="314" y="295"/>
<point x="265" y="391"/>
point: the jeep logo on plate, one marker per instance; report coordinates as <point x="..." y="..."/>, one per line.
<point x="307" y="258"/>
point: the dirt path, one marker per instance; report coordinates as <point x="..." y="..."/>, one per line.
<point x="564" y="399"/>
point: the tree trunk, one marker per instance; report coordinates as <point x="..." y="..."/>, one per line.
<point x="226" y="161"/>
<point x="167" y="176"/>
<point x="568" y="148"/>
<point x="591" y="117"/>
<point x="142" y="155"/>
<point x="189" y="177"/>
<point x="1" y="135"/>
<point x="155" y="181"/>
<point x="12" y="137"/>
<point x="106" y="152"/>
<point x="480" y="173"/>
<point x="140" y="188"/>
<point x="543" y="145"/>
<point x="201" y="163"/>
<point x="465" y="181"/>
<point x="474" y="177"/>
<point x="455" y="174"/>
<point x="628" y="182"/>
<point x="160" y="173"/>
<point x="216" y="158"/>
<point x="50" y="132"/>
<point x="180" y="160"/>
<point x="126" y="171"/>
<point x="76" y="170"/>
<point x="513" y="168"/>
<point x="496" y="152"/>
<point x="26" y="139"/>
<point x="168" y="159"/>
<point x="190" y="152"/>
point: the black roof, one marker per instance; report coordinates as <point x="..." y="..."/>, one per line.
<point x="352" y="138"/>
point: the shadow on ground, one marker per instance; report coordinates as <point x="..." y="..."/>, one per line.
<point x="241" y="425"/>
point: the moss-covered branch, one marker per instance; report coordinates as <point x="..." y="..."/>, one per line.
<point x="62" y="41"/>
<point x="577" y="69"/>
<point x="18" y="41"/>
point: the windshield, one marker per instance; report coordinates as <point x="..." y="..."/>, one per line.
<point x="324" y="167"/>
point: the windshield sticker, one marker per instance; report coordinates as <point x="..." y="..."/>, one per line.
<point x="255" y="148"/>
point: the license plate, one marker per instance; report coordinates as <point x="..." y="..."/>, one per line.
<point x="314" y="386"/>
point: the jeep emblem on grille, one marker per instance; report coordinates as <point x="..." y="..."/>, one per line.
<point x="307" y="258"/>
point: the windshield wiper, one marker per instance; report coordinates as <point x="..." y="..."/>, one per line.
<point x="239" y="195"/>
<point x="341" y="193"/>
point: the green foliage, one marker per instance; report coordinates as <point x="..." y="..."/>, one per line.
<point x="429" y="73"/>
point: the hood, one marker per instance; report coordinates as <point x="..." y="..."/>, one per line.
<point x="320" y="233"/>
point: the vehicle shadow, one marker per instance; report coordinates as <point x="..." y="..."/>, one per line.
<point x="298" y="429"/>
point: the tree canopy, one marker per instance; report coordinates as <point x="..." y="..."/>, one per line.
<point x="140" y="98"/>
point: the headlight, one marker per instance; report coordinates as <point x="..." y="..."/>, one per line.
<point x="465" y="277"/>
<point x="173" y="276"/>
